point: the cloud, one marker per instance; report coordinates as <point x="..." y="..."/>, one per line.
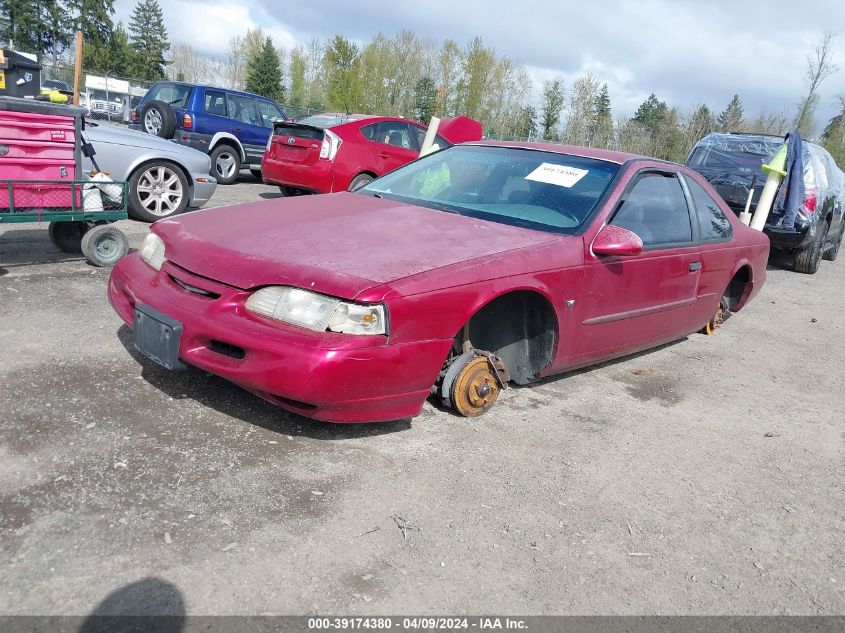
<point x="686" y="51"/>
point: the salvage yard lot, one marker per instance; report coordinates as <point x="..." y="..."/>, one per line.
<point x="703" y="477"/>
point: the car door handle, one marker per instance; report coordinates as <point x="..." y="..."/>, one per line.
<point x="383" y="155"/>
<point x="694" y="266"/>
<point x="239" y="129"/>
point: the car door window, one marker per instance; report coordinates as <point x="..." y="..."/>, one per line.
<point x="242" y="109"/>
<point x="441" y="142"/>
<point x="215" y="102"/>
<point x="713" y="225"/>
<point x="397" y="134"/>
<point x="655" y="209"/>
<point x="269" y="113"/>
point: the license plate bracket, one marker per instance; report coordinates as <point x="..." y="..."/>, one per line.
<point x="157" y="337"/>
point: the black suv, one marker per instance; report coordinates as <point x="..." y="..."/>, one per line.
<point x="730" y="163"/>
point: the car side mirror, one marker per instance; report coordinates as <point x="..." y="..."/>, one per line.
<point x="614" y="240"/>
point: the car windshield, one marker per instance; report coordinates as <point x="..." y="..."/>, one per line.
<point x="528" y="188"/>
<point x="173" y="94"/>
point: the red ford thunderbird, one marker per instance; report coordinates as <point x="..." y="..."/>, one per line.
<point x="481" y="264"/>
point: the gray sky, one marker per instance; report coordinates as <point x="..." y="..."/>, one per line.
<point x="685" y="51"/>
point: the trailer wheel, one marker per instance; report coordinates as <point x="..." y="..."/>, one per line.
<point x="104" y="245"/>
<point x="67" y="236"/>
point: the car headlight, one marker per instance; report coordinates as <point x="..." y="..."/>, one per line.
<point x="152" y="251"/>
<point x="317" y="312"/>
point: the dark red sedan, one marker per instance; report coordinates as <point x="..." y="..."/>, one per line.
<point x="475" y="266"/>
<point x="343" y="152"/>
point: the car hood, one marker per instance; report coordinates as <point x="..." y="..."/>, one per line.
<point x="132" y="138"/>
<point x="337" y="244"/>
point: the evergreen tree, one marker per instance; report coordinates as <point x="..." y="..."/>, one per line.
<point x="264" y="73"/>
<point x="120" y="52"/>
<point x="651" y="114"/>
<point x="36" y="27"/>
<point x="93" y="18"/>
<point x="554" y="96"/>
<point x="148" y="41"/>
<point x="425" y="99"/>
<point x="601" y="124"/>
<point x="730" y="120"/>
<point x="833" y="137"/>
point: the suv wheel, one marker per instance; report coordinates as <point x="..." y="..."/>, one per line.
<point x="158" y="119"/>
<point x="157" y="190"/>
<point x="808" y="259"/>
<point x="225" y="164"/>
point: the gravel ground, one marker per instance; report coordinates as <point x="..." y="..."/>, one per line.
<point x="705" y="477"/>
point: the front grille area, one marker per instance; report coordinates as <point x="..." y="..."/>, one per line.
<point x="227" y="349"/>
<point x="193" y="289"/>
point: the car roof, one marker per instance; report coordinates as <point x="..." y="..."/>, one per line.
<point x="207" y="87"/>
<point x="574" y="150"/>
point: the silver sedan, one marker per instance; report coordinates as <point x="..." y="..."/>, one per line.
<point x="164" y="178"/>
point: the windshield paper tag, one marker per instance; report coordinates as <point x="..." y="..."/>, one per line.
<point x="559" y="175"/>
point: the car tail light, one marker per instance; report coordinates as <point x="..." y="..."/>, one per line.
<point x="269" y="142"/>
<point x="331" y="143"/>
<point x="187" y="122"/>
<point x="133" y="115"/>
<point x="810" y="200"/>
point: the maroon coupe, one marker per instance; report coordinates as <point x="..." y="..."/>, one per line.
<point x="478" y="265"/>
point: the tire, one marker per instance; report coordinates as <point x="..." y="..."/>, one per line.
<point x="225" y="164"/>
<point x="157" y="190"/>
<point x="287" y="192"/>
<point x="104" y="245"/>
<point x="359" y="181"/>
<point x="807" y="260"/>
<point x="67" y="236"/>
<point x="158" y="119"/>
<point x="256" y="172"/>
<point x="832" y="253"/>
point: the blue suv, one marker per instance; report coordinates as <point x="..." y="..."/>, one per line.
<point x="232" y="127"/>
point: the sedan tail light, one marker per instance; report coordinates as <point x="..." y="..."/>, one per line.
<point x="187" y="122"/>
<point x="331" y="143"/>
<point x="133" y="115"/>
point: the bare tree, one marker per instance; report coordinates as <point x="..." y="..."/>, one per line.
<point x="819" y="67"/>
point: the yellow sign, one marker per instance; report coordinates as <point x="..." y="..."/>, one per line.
<point x="2" y="57"/>
<point x="2" y="79"/>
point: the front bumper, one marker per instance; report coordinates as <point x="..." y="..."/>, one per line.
<point x="321" y="375"/>
<point x="317" y="177"/>
<point x="201" y="192"/>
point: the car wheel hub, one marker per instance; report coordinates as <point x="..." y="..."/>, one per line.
<point x="476" y="389"/>
<point x="159" y="190"/>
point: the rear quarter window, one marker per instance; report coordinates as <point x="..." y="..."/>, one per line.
<point x="713" y="225"/>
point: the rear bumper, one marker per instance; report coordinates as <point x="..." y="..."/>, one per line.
<point x="797" y="238"/>
<point x="317" y="177"/>
<point x="325" y="376"/>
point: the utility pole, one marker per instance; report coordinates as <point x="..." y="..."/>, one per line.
<point x="77" y="68"/>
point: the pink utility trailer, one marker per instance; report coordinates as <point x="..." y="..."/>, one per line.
<point x="41" y="180"/>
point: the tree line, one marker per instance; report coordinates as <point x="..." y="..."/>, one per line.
<point x="48" y="27"/>
<point x="406" y="75"/>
